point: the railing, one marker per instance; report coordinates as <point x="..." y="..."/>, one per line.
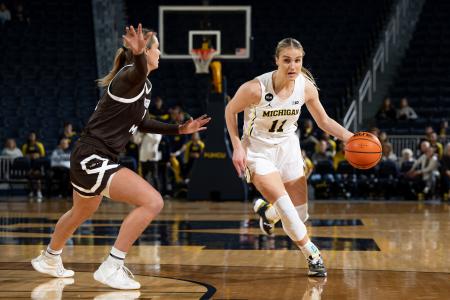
<point x="400" y="142"/>
<point x="5" y="167"/>
<point x="399" y="19"/>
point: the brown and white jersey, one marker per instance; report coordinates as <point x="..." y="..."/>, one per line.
<point x="121" y="109"/>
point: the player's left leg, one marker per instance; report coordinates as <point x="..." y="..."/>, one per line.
<point x="128" y="187"/>
<point x="298" y="192"/>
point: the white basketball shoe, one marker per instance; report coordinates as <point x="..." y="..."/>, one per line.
<point x="52" y="266"/>
<point x="116" y="276"/>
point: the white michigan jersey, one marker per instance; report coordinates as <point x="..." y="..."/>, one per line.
<point x="273" y="119"/>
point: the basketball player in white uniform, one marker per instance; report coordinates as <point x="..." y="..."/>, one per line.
<point x="269" y="152"/>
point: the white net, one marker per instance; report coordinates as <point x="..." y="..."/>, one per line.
<point x="202" y="58"/>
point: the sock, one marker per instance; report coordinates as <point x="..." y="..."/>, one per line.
<point x="50" y="253"/>
<point x="303" y="212"/>
<point x="272" y="215"/>
<point x="292" y="224"/>
<point x="116" y="256"/>
<point x="310" y="251"/>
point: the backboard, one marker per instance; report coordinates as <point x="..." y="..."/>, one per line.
<point x="224" y="28"/>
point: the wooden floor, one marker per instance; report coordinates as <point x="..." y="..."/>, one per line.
<point x="207" y="250"/>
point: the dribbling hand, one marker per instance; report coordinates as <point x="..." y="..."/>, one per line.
<point x="239" y="161"/>
<point x="135" y="40"/>
<point x="192" y="125"/>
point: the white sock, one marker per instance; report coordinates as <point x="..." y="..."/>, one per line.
<point x="292" y="224"/>
<point x="310" y="251"/>
<point x="116" y="256"/>
<point x="50" y="253"/>
<point x="303" y="212"/>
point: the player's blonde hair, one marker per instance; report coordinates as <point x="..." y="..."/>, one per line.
<point x="293" y="43"/>
<point x="124" y="56"/>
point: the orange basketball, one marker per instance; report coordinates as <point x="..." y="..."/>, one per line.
<point x="363" y="150"/>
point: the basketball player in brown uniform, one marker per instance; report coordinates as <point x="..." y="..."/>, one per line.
<point x="122" y="110"/>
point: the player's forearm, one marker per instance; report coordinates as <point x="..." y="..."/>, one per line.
<point x="153" y="126"/>
<point x="336" y="129"/>
<point x="231" y="120"/>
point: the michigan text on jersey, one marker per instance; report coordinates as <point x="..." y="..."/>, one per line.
<point x="280" y="112"/>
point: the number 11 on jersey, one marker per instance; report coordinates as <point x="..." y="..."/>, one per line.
<point x="274" y="125"/>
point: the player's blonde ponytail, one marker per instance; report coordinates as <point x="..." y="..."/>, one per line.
<point x="123" y="55"/>
<point x="293" y="43"/>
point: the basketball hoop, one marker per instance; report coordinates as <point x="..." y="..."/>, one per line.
<point x="202" y="58"/>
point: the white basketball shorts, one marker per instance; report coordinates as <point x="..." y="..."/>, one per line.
<point x="285" y="157"/>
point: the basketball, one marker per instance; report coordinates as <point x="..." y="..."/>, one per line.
<point x="363" y="150"/>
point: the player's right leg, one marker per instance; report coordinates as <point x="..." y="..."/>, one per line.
<point x="272" y="188"/>
<point x="49" y="261"/>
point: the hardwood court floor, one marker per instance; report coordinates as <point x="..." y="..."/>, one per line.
<point x="203" y="250"/>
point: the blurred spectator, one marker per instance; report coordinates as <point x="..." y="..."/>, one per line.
<point x="60" y="166"/>
<point x="307" y="138"/>
<point x="158" y="111"/>
<point x="383" y="137"/>
<point x="407" y="158"/>
<point x="193" y="150"/>
<point x="340" y="154"/>
<point x="34" y="150"/>
<point x="322" y="153"/>
<point x="438" y="148"/>
<point x="443" y="128"/>
<point x="149" y="156"/>
<point x="375" y="131"/>
<point x="164" y="166"/>
<point x="20" y="14"/>
<point x="445" y="172"/>
<point x="426" y="167"/>
<point x="386" y="111"/>
<point x="11" y="149"/>
<point x="424" y="145"/>
<point x="387" y="153"/>
<point x="132" y="151"/>
<point x="69" y="134"/>
<point x="176" y="142"/>
<point x="406" y="112"/>
<point x="5" y="14"/>
<point x="309" y="166"/>
<point x="330" y="142"/>
<point x="177" y="115"/>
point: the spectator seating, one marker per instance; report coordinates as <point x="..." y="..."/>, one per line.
<point x="424" y="76"/>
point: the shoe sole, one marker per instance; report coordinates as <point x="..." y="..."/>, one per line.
<point x="38" y="268"/>
<point x="317" y="274"/>
<point x="97" y="276"/>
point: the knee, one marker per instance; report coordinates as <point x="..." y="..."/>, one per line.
<point x="155" y="204"/>
<point x="84" y="213"/>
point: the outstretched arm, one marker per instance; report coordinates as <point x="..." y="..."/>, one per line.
<point x="319" y="114"/>
<point x="136" y="42"/>
<point x="131" y="80"/>
<point x="152" y="126"/>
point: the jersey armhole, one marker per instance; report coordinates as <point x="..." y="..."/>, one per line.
<point x="263" y="90"/>
<point x="125" y="100"/>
